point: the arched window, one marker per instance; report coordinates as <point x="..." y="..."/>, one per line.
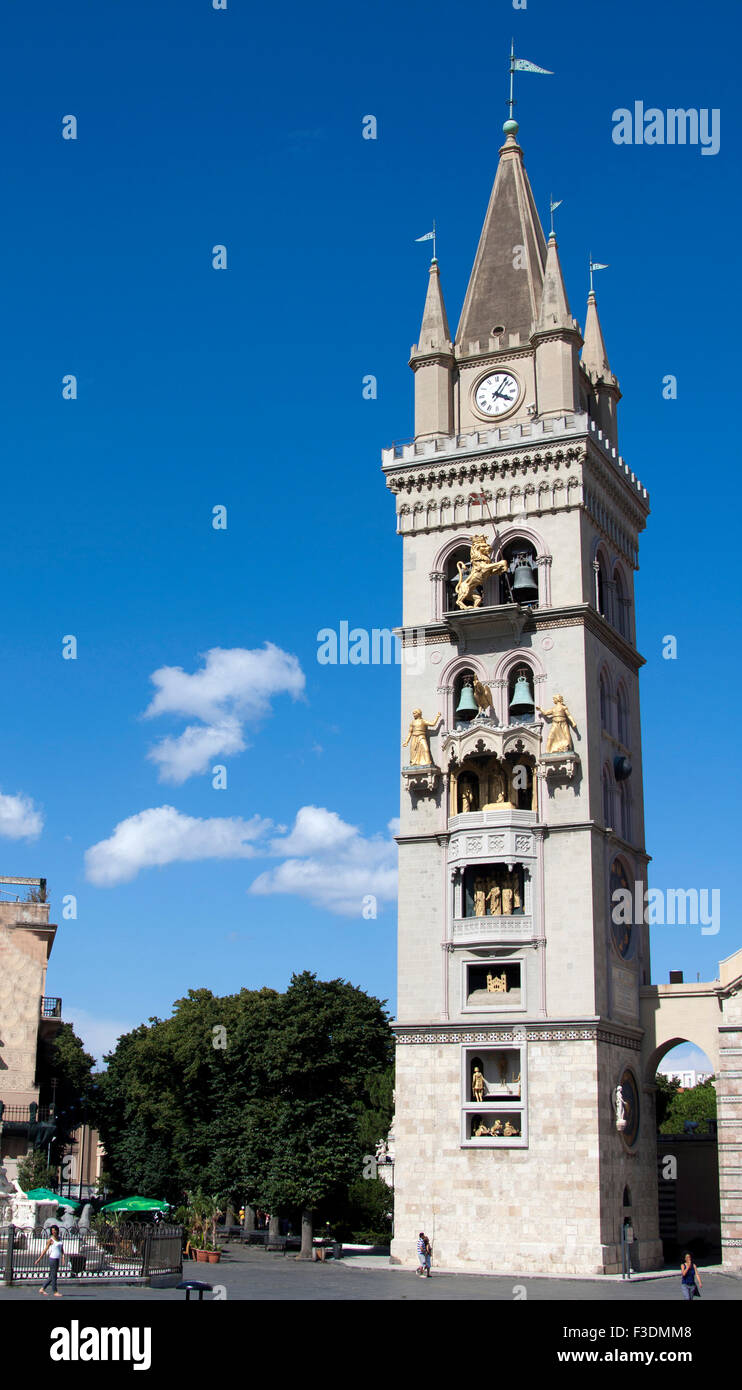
<point x="624" y="799"/>
<point x="465" y="707"/>
<point x="520" y="582"/>
<point x="621" y="617"/>
<point x="602" y="595"/>
<point x="462" y="553"/>
<point x="622" y="717"/>
<point x="608" y="815"/>
<point x="521" y="702"/>
<point x="603" y="703"/>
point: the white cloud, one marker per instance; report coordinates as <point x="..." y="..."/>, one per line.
<point x="232" y="680"/>
<point x="99" y="1035"/>
<point x="339" y="867"/>
<point x="19" y="818"/>
<point x="315" y="829"/>
<point x="161" y="835"/>
<point x="234" y="685"/>
<point x="194" y="749"/>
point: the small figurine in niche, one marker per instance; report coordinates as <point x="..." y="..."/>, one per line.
<point x="477" y="1085"/>
<point x="481" y="1130"/>
<point x="418" y="739"/>
<point x="479" y="897"/>
<point x="510" y="1130"/>
<point x="620" y="1109"/>
<point x="496" y="1128"/>
<point x="507" y="896"/>
<point x="560" y="738"/>
<point x="494" y="897"/>
<point x="468" y="796"/>
<point x="496" y="788"/>
<point x="515" y="881"/>
<point x="502" y="1067"/>
<point x="496" y="984"/>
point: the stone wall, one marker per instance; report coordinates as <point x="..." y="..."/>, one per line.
<point x="506" y="1210"/>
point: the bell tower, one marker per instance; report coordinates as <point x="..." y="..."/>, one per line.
<point x="524" y="1136"/>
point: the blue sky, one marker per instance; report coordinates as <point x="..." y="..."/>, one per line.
<point x="242" y="388"/>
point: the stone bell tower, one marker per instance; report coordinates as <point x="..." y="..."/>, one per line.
<point x="524" y="1136"/>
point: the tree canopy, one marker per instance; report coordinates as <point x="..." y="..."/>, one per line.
<point x="259" y="1096"/>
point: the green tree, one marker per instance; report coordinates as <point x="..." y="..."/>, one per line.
<point x="34" y="1171"/>
<point x="303" y="1140"/>
<point x="667" y="1089"/>
<point x="255" y="1096"/>
<point x="698" y="1103"/>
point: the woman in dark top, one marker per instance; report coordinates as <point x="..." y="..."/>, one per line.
<point x="688" y="1277"/>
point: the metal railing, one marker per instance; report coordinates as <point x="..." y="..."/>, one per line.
<point x="130" y="1251"/>
<point x="21" y="1114"/>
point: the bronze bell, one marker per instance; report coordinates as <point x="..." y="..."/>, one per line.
<point x="467" y="708"/>
<point x="525" y="583"/>
<point x="522" y="699"/>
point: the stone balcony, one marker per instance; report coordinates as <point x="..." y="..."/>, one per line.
<point x="470" y="931"/>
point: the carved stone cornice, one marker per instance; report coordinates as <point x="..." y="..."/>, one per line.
<point x="550" y="1030"/>
<point x="583" y="614"/>
<point x="477" y="466"/>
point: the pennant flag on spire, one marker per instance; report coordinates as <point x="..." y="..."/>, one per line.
<point x="428" y="237"/>
<point x="523" y="65"/>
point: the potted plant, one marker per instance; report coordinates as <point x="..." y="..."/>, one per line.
<point x="205" y="1213"/>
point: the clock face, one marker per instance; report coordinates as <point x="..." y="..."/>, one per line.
<point x="496" y="393"/>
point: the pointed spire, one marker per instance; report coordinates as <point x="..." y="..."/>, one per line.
<point x="508" y="274"/>
<point x="555" y="311"/>
<point x="435" y="335"/>
<point x="594" y="356"/>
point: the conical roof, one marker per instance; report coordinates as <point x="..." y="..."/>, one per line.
<point x="435" y="335"/>
<point x="508" y="273"/>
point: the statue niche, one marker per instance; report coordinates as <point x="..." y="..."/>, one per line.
<point x="485" y="782"/>
<point x="494" y="890"/>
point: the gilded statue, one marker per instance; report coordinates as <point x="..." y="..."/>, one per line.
<point x="472" y="576"/>
<point x="418" y="739"/>
<point x="494" y="897"/>
<point x="482" y="695"/>
<point x="497" y="984"/>
<point x="481" y="1130"/>
<point x="510" y="1130"/>
<point x="479" y="897"/>
<point x="507" y="896"/>
<point x="496" y="789"/>
<point x="560" y="738"/>
<point x="496" y="1129"/>
<point x="477" y="1085"/>
<point x="468" y="795"/>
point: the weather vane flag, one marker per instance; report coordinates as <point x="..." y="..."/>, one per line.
<point x="521" y="65"/>
<point x="429" y="236"/>
<point x="596" y="265"/>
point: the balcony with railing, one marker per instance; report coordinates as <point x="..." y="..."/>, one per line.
<point x="21" y="1116"/>
<point x="51" y="1006"/>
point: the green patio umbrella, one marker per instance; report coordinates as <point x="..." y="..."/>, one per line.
<point x="45" y="1194"/>
<point x="136" y="1204"/>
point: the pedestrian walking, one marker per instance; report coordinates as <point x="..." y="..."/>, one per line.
<point x="690" y="1279"/>
<point x="424" y="1253"/>
<point x="55" y="1249"/>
